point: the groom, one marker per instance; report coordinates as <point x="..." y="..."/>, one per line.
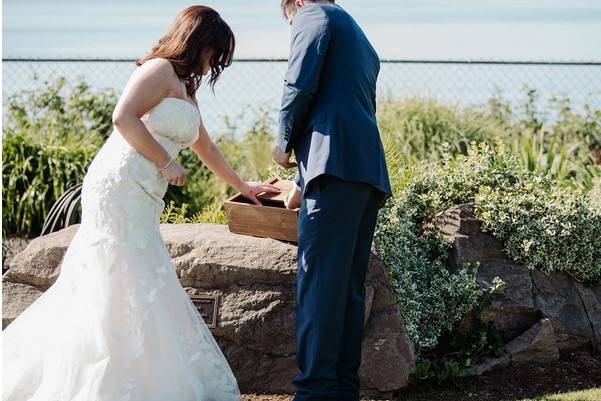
<point x="328" y="118"/>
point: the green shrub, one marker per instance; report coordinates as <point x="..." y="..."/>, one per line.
<point x="48" y="141"/>
<point x="431" y="298"/>
<point x="544" y="225"/>
<point x="594" y="196"/>
<point x="34" y="176"/>
<point x="462" y="346"/>
<point x="547" y="227"/>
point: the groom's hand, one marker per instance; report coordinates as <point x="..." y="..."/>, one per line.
<point x="293" y="198"/>
<point x="281" y="158"/>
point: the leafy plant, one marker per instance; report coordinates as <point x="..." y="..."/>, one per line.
<point x="34" y="176"/>
<point x="431" y="298"/>
<point x="436" y="371"/>
<point x="212" y="213"/>
<point x="49" y="139"/>
<point x="550" y="228"/>
<point x="514" y="204"/>
<point x="474" y="336"/>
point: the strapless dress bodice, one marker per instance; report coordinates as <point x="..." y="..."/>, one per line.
<point x="173" y="123"/>
<point x="175" y="119"/>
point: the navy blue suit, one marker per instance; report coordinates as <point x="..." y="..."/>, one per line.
<point x="328" y="118"/>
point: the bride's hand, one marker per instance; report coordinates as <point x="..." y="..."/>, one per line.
<point x="250" y="190"/>
<point x="174" y="174"/>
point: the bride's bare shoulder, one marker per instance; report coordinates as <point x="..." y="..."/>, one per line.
<point x="155" y="75"/>
<point x="157" y="67"/>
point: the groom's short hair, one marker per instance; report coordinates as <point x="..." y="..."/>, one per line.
<point x="285" y="6"/>
<point x="288" y="5"/>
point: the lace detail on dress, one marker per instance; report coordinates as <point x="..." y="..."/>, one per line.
<point x="162" y="122"/>
<point x="117" y="324"/>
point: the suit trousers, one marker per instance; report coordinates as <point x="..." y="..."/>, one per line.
<point x="336" y="226"/>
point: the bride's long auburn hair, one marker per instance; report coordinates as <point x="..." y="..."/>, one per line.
<point x="194" y="31"/>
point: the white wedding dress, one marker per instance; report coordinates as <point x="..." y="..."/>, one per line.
<point x="117" y="325"/>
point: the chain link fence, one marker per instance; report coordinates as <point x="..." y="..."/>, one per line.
<point x="253" y="85"/>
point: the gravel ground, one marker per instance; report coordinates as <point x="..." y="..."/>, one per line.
<point x="575" y="372"/>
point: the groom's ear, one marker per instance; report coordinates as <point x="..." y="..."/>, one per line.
<point x="299" y="3"/>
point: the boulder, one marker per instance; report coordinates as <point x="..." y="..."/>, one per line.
<point x="16" y="297"/>
<point x="536" y="345"/>
<point x="11" y="245"/>
<point x="573" y="310"/>
<point x="254" y="282"/>
<point x="38" y="265"/>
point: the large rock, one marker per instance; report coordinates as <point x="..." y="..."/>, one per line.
<point x="538" y="345"/>
<point x="574" y="311"/>
<point x="254" y="279"/>
<point x="16" y="297"/>
<point x="38" y="264"/>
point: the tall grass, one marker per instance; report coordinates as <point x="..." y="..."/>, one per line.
<point x="565" y="148"/>
<point x="49" y="139"/>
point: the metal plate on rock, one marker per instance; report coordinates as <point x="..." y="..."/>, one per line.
<point x="207" y="307"/>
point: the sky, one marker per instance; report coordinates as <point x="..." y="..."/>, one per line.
<point x="398" y="29"/>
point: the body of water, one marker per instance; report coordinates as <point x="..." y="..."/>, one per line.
<point x="431" y="29"/>
<point x="399" y="29"/>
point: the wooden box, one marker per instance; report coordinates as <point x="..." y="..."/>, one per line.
<point x="270" y="220"/>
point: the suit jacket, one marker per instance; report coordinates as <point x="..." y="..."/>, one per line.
<point x="328" y="111"/>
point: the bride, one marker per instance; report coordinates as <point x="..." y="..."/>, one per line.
<point x="117" y="325"/>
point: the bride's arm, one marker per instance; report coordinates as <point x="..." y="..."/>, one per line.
<point x="147" y="86"/>
<point x="211" y="156"/>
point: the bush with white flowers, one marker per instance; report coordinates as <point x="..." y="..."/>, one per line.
<point x="544" y="224"/>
